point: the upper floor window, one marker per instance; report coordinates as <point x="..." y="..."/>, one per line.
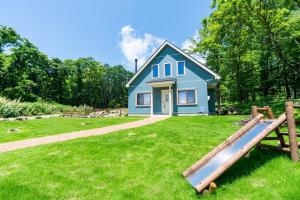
<point x="180" y="68"/>
<point x="143" y="99"/>
<point x="168" y="70"/>
<point x="155" y="71"/>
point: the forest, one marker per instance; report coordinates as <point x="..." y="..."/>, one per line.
<point x="255" y="46"/>
<point x="27" y="74"/>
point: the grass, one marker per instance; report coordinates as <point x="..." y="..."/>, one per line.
<point x="144" y="163"/>
<point x="52" y="126"/>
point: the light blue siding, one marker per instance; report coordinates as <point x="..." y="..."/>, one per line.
<point x="195" y="78"/>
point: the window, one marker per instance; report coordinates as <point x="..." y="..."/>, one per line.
<point x="155" y="71"/>
<point x="186" y="97"/>
<point x="180" y="68"/>
<point x="168" y="69"/>
<point x="143" y="99"/>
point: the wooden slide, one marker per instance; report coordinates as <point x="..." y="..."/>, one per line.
<point x="201" y="174"/>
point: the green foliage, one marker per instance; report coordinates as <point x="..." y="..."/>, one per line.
<point x="255" y="46"/>
<point x="29" y="75"/>
<point x="276" y="103"/>
<point x="16" y="108"/>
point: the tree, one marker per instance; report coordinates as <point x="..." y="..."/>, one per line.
<point x="254" y="46"/>
<point x="29" y="75"/>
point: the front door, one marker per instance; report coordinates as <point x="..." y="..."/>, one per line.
<point x="165" y="101"/>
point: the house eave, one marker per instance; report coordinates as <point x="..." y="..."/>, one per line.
<point x="161" y="84"/>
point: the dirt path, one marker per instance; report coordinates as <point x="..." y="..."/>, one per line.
<point x="10" y="146"/>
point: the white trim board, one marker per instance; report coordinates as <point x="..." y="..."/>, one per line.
<point x="180" y="51"/>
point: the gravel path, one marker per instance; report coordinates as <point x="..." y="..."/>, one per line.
<point x="10" y="146"/>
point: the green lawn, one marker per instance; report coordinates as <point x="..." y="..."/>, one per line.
<point x="52" y="126"/>
<point x="144" y="163"/>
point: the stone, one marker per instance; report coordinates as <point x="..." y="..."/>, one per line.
<point x="13" y="130"/>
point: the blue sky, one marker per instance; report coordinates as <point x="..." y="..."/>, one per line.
<point x="111" y="31"/>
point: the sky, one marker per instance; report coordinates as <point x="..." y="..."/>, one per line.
<point x="111" y="31"/>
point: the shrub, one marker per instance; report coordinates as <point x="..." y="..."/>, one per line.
<point x="15" y="108"/>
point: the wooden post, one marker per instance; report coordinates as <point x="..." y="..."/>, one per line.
<point x="254" y="112"/>
<point x="292" y="131"/>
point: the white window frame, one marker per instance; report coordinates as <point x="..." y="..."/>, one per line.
<point x="143" y="92"/>
<point x="187" y="104"/>
<point x="183" y="68"/>
<point x="157" y="71"/>
<point x="164" y="69"/>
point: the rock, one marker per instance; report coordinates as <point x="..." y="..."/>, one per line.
<point x="13" y="130"/>
<point x="243" y="122"/>
<point x="21" y="118"/>
<point x="85" y="123"/>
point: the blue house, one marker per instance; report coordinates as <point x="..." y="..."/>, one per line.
<point x="172" y="83"/>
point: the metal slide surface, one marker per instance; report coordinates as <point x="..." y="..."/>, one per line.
<point x="220" y="158"/>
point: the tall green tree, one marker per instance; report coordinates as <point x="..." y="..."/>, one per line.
<point x="29" y="75"/>
<point x="254" y="45"/>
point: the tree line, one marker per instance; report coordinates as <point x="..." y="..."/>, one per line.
<point x="255" y="46"/>
<point x="28" y="74"/>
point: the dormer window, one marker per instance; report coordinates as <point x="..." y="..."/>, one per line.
<point x="155" y="71"/>
<point x="168" y="70"/>
<point x="180" y="68"/>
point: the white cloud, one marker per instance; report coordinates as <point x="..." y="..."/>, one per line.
<point x="140" y="47"/>
<point x="187" y="45"/>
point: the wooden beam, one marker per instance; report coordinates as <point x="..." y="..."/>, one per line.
<point x="277" y="148"/>
<point x="277" y="131"/>
<point x="292" y="131"/>
<point x="265" y="108"/>
<point x="286" y="133"/>
<point x="270" y="138"/>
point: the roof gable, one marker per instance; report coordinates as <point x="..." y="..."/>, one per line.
<point x="166" y="43"/>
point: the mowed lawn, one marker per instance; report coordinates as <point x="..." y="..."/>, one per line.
<point x="145" y="163"/>
<point x="52" y="126"/>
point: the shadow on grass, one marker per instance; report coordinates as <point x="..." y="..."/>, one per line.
<point x="11" y="190"/>
<point x="245" y="166"/>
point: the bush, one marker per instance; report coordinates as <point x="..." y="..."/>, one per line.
<point x="276" y="103"/>
<point x="15" y="108"/>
